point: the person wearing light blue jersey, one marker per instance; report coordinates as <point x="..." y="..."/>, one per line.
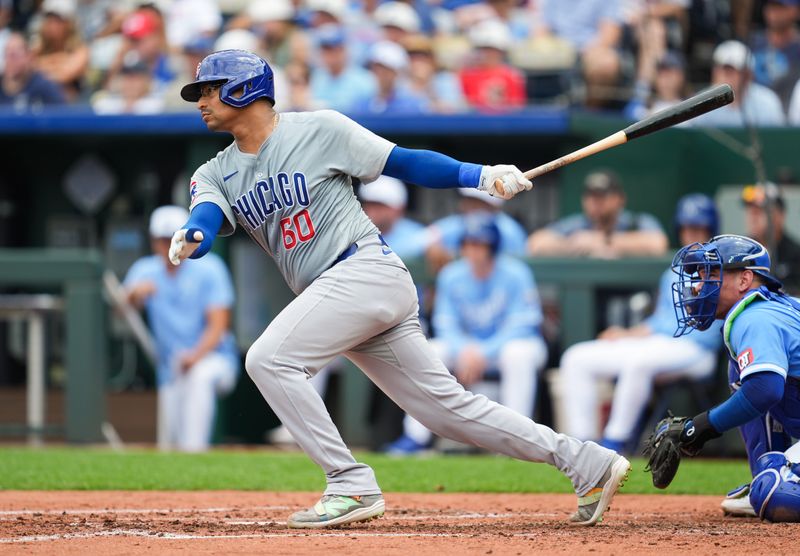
<point x="638" y="356"/>
<point x="335" y="82"/>
<point x="444" y="235"/>
<point x="189" y="312"/>
<point x="486" y="318"/>
<point x="728" y="279"/>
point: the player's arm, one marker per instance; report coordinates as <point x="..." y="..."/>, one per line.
<point x="644" y="242"/>
<point x="439" y="171"/>
<point x="217" y="323"/>
<point x="195" y="238"/>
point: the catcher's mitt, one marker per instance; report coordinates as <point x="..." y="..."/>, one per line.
<point x="664" y="450"/>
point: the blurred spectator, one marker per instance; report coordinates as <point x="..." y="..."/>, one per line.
<point x="298" y="76"/>
<point x="441" y="88"/>
<point x="193" y="53"/>
<point x="753" y="104"/>
<point x="132" y="92"/>
<point x="21" y="86"/>
<point x="776" y="49"/>
<point x="594" y="27"/>
<point x="384" y="201"/>
<point x="604" y="230"/>
<point x="58" y="49"/>
<point x="444" y="235"/>
<point x="189" y="311"/>
<point x="388" y="62"/>
<point x="5" y="30"/>
<point x="638" y="356"/>
<point x="784" y="249"/>
<point x="517" y="20"/>
<point x="659" y="88"/>
<point x="327" y="12"/>
<point x="489" y="83"/>
<point x="101" y="23"/>
<point x="273" y="21"/>
<point x="189" y="20"/>
<point x="242" y="39"/>
<point x="145" y="41"/>
<point x="664" y="22"/>
<point x="334" y="82"/>
<point x="398" y="21"/>
<point x="486" y="317"/>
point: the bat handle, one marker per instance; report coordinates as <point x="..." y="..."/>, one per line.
<point x="498" y="186"/>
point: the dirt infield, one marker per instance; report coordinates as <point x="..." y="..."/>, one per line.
<point x="417" y="524"/>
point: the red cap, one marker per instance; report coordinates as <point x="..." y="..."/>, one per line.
<point x="140" y="24"/>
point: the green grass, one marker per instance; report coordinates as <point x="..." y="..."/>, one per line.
<point x="101" y="469"/>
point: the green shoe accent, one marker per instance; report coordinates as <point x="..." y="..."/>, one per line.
<point x="597" y="501"/>
<point x="333" y="510"/>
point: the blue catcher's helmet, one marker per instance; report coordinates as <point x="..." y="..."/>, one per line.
<point x="481" y="227"/>
<point x="697" y="209"/>
<point x="696" y="292"/>
<point x="234" y="70"/>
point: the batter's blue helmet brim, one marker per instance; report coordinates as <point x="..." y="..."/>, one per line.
<point x="191" y="91"/>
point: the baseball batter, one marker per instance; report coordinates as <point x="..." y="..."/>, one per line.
<point x="286" y="179"/>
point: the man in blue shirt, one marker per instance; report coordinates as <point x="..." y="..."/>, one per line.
<point x="388" y="62"/>
<point x="729" y="278"/>
<point x="638" y="356"/>
<point x="486" y="318"/>
<point x="444" y="235"/>
<point x="335" y="82"/>
<point x="604" y="229"/>
<point x="189" y="311"/>
<point x="21" y="87"/>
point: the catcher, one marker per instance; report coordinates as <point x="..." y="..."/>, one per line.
<point x="729" y="278"/>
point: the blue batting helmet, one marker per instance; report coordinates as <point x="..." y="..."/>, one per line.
<point x="234" y="70"/>
<point x="697" y="209"/>
<point x="480" y="227"/>
<point x="696" y="292"/>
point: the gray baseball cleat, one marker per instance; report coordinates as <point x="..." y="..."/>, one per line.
<point x="333" y="510"/>
<point x="594" y="504"/>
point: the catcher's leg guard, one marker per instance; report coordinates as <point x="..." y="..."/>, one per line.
<point x="775" y="491"/>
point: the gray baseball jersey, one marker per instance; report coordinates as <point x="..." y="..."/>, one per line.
<point x="297" y="190"/>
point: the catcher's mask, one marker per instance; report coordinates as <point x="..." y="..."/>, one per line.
<point x="700" y="267"/>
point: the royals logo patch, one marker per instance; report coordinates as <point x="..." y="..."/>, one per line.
<point x="744" y="358"/>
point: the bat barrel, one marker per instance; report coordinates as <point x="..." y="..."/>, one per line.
<point x="690" y="108"/>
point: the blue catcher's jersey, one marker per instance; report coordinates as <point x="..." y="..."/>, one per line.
<point x="762" y="334"/>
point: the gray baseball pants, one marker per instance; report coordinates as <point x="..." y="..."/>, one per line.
<point x="366" y="308"/>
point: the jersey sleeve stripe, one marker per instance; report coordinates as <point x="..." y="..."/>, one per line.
<point x="769" y="367"/>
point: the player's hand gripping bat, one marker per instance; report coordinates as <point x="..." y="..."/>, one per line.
<point x="690" y="108"/>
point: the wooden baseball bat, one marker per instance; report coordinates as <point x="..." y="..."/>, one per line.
<point x="690" y="108"/>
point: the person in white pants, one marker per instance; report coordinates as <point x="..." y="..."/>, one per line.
<point x="637" y="356"/>
<point x="486" y="317"/>
<point x="189" y="312"/>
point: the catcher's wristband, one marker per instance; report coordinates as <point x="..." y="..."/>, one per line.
<point x="696" y="433"/>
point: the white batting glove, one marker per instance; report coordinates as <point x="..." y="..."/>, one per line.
<point x="182" y="247"/>
<point x="510" y="176"/>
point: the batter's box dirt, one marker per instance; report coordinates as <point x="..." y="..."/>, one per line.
<point x="107" y="522"/>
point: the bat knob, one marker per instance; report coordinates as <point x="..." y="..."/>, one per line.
<point x="498" y="186"/>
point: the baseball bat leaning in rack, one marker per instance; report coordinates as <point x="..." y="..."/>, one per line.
<point x="697" y="105"/>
